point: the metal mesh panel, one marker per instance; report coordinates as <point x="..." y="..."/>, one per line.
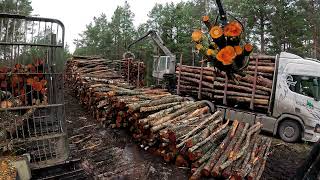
<point x="31" y="88"/>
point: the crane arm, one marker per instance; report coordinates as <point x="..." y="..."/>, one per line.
<point x="157" y="39"/>
<point x="222" y="13"/>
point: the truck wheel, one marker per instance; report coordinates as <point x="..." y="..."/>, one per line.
<point x="289" y="131"/>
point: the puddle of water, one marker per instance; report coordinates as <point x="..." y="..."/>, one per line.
<point x="132" y="153"/>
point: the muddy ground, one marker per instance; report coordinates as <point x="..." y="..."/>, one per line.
<point x="111" y="154"/>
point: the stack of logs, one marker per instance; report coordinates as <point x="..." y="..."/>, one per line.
<point x="102" y="70"/>
<point x="252" y="90"/>
<point x="181" y="131"/>
<point x="133" y="71"/>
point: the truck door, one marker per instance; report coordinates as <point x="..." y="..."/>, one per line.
<point x="306" y="91"/>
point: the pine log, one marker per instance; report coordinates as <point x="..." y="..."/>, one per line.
<point x="249" y="160"/>
<point x="207" y="149"/>
<point x="259" y="167"/>
<point x="232" y="93"/>
<point x="170" y="99"/>
<point x="205" y="121"/>
<point x="216" y="171"/>
<point x="262" y="57"/>
<point x="248" y="78"/>
<point x="218" y="84"/>
<point x="239" y="142"/>
<point x="197" y="174"/>
<point x="202" y="134"/>
<point x="181" y="111"/>
<point x="263" y="69"/>
<point x="170" y="121"/>
<point x="255" y="128"/>
<point x="263" y="102"/>
<point x="269" y="64"/>
<point x="194" y="80"/>
<point x="159" y="107"/>
<point x="213" y="135"/>
<point x="261" y="74"/>
<point x="162" y="113"/>
<point x="217" y="153"/>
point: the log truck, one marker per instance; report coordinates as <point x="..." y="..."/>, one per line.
<point x="293" y="107"/>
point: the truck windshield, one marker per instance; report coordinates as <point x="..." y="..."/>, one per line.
<point x="305" y="85"/>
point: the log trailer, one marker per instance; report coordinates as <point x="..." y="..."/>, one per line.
<point x="32" y="123"/>
<point x="287" y="106"/>
<point x="281" y="92"/>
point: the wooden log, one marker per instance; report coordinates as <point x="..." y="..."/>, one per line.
<point x="170" y="99"/>
<point x="249" y="160"/>
<point x="259" y="167"/>
<point x="211" y="72"/>
<point x="255" y="128"/>
<point x="197" y="174"/>
<point x="269" y="64"/>
<point x="188" y="108"/>
<point x="181" y="162"/>
<point x="191" y="141"/>
<point x="207" y="149"/>
<point x="163" y="113"/>
<point x="232" y="93"/>
<point x="215" y="170"/>
<point x="242" y="83"/>
<point x="261" y="74"/>
<point x="262" y="57"/>
<point x="263" y="102"/>
<point x="159" y="107"/>
<point x="205" y="121"/>
<point x="218" y="84"/>
<point x="204" y="83"/>
<point x="260" y="80"/>
<point x="239" y="142"/>
<point x="217" y="153"/>
<point x="262" y="69"/>
<point x="166" y="121"/>
<point x="213" y="135"/>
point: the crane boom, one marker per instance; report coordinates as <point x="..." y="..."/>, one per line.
<point x="157" y="39"/>
<point x="163" y="65"/>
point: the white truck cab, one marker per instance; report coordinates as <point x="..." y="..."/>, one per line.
<point x="296" y="104"/>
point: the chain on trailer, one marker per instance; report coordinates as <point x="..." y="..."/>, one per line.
<point x="32" y="118"/>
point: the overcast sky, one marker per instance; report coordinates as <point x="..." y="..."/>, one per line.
<point x="75" y="14"/>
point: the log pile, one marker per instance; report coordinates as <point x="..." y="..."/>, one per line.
<point x="251" y="91"/>
<point x="24" y="84"/>
<point x="133" y="72"/>
<point x="103" y="70"/>
<point x="181" y="131"/>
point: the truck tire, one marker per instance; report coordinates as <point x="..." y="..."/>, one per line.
<point x="289" y="131"/>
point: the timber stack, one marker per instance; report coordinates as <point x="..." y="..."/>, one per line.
<point x="133" y="71"/>
<point x="251" y="91"/>
<point x="185" y="132"/>
<point x="103" y="70"/>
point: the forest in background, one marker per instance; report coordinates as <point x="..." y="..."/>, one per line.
<point x="272" y="26"/>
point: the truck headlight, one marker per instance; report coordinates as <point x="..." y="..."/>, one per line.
<point x="317" y="128"/>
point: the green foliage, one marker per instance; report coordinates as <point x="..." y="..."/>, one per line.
<point x="108" y="39"/>
<point x="280" y="25"/>
<point x="272" y="26"/>
<point x="22" y="7"/>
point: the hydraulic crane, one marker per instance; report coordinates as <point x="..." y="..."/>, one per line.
<point x="163" y="66"/>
